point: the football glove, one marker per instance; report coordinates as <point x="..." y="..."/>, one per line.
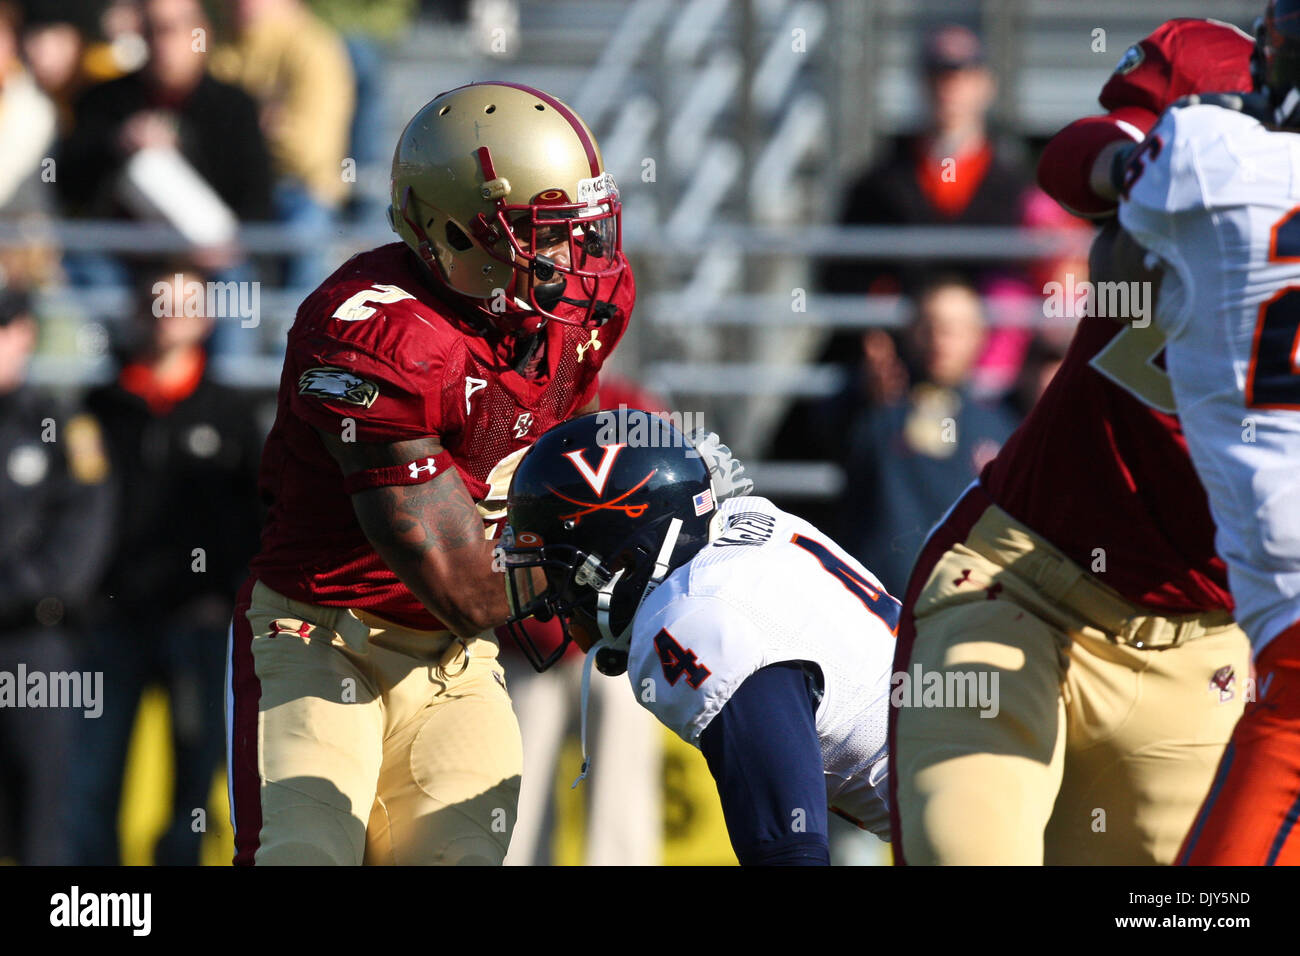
<point x="726" y="472"/>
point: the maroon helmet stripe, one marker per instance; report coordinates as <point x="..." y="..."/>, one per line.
<point x="485" y="163"/>
<point x="587" y="143"/>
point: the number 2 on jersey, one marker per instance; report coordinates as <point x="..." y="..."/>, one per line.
<point x="1273" y="379"/>
<point x="878" y="601"/>
<point x="1129" y="360"/>
<point x="355" y="308"/>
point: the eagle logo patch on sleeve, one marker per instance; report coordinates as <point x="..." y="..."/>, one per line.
<point x="337" y="385"/>
<point x="1131" y="60"/>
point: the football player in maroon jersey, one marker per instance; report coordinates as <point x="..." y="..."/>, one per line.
<point x="1080" y="569"/>
<point x="368" y="719"/>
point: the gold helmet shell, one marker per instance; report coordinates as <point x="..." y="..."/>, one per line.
<point x="482" y="174"/>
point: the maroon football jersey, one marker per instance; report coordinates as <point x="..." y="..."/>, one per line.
<point x="1096" y="465"/>
<point x="377" y="354"/>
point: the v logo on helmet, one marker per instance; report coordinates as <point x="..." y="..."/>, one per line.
<point x="596" y="479"/>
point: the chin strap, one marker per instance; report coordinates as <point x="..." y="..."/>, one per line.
<point x="586" y="693"/>
<point x="602" y="311"/>
<point x="604" y="601"/>
<point x="620" y="641"/>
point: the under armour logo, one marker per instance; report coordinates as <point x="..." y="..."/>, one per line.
<point x="473" y="385"/>
<point x="416" y="468"/>
<point x="595" y="343"/>
<point x="522" y="424"/>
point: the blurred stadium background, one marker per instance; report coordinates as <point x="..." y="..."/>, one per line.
<point x="737" y="131"/>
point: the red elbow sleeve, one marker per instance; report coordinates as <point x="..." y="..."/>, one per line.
<point x="1065" y="168"/>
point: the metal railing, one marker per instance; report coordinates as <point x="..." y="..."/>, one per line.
<point x="984" y="243"/>
<point x="718" y="381"/>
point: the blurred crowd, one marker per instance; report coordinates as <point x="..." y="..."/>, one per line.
<point x="128" y="512"/>
<point x="925" y="407"/>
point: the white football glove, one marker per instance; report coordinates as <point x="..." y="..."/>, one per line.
<point x="726" y="472"/>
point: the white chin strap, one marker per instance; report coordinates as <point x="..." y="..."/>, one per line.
<point x="620" y="641"/>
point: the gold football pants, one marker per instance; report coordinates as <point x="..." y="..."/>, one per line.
<point x="355" y="740"/>
<point x="1109" y="722"/>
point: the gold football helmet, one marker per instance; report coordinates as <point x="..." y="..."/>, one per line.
<point x="501" y="191"/>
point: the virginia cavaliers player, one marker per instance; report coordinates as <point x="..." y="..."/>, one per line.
<point x="1211" y="195"/>
<point x="744" y="629"/>
<point x="368" y="716"/>
<point x="1080" y="567"/>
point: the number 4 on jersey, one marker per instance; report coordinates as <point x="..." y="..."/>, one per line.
<point x="880" y="603"/>
<point x="678" y="660"/>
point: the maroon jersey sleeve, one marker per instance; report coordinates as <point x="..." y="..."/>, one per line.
<point x="1180" y="57"/>
<point x="1065" y="167"/>
<point x="337" y="385"/>
<point x="367" y="353"/>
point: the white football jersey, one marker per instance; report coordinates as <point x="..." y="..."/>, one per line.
<point x="1217" y="199"/>
<point x="769" y="588"/>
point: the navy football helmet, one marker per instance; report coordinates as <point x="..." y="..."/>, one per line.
<point x="606" y="506"/>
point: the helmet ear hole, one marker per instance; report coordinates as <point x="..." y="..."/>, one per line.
<point x="456" y="238"/>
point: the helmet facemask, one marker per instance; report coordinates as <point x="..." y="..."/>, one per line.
<point x="602" y="596"/>
<point x="518" y="558"/>
<point x="562" y="253"/>
<point x="565" y="258"/>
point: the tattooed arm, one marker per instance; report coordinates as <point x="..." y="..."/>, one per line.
<point x="430" y="535"/>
